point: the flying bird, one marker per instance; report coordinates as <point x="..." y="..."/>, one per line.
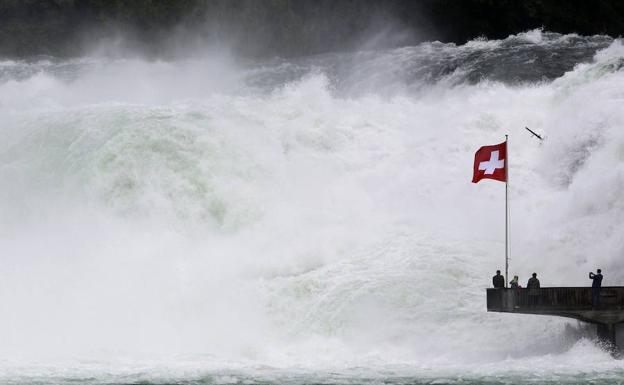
<point x="534" y="133"/>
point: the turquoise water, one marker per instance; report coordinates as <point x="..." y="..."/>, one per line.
<point x="306" y="221"/>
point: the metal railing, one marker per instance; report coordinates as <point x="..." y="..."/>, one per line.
<point x="554" y="298"/>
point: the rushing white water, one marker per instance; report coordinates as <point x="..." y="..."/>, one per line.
<point x="208" y="214"/>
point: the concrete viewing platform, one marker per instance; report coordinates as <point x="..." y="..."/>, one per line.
<point x="570" y="302"/>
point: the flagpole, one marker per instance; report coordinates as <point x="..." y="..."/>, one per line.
<point x="506" y="210"/>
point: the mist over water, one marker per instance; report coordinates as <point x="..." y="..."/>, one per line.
<point x="219" y="220"/>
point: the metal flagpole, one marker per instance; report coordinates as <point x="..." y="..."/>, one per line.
<point x="506" y="211"/>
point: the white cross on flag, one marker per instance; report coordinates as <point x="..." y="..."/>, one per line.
<point x="489" y="163"/>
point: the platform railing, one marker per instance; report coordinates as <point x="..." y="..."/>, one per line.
<point x="554" y="298"/>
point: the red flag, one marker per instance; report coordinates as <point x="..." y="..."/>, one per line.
<point x="489" y="163"/>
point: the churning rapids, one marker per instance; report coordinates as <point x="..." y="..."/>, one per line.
<point x="217" y="220"/>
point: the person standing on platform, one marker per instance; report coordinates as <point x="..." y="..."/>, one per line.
<point x="533" y="286"/>
<point x="596" y="284"/>
<point x="498" y="280"/>
<point x="515" y="286"/>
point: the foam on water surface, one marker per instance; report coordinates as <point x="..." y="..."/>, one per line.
<point x="214" y="221"/>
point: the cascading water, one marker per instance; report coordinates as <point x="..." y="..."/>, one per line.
<point x="307" y="220"/>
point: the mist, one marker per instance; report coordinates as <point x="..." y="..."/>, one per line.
<point x="214" y="212"/>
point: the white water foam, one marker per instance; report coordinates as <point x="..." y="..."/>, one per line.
<point x="146" y="216"/>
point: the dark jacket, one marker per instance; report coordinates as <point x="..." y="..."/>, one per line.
<point x="533" y="285"/>
<point x="597" y="278"/>
<point x="498" y="281"/>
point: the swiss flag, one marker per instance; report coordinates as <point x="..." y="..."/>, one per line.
<point x="489" y="163"/>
